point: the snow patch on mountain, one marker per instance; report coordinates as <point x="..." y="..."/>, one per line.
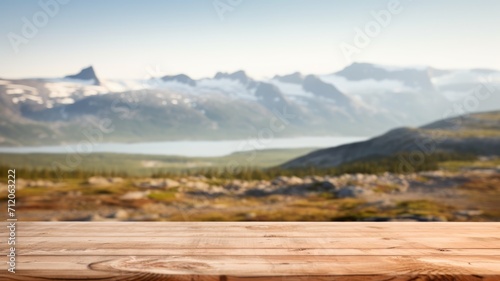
<point x="367" y="86"/>
<point x="14" y="91"/>
<point x="291" y="89"/>
<point x="177" y="87"/>
<point x="70" y="81"/>
<point x="392" y="68"/>
<point x="228" y="87"/>
<point x="117" y="86"/>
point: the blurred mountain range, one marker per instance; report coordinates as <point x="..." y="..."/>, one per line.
<point x="360" y="100"/>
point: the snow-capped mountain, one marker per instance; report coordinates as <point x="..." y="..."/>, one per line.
<point x="362" y="99"/>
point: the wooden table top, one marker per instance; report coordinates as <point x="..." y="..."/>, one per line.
<point x="255" y="251"/>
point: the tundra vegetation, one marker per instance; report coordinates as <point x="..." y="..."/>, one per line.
<point x="445" y="187"/>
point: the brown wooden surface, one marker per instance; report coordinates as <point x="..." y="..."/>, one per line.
<point x="255" y="251"/>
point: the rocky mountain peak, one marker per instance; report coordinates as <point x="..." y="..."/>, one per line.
<point x="86" y="74"/>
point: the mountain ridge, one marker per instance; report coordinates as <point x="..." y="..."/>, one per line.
<point x="477" y="133"/>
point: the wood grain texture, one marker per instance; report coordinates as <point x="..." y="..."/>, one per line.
<point x="255" y="251"/>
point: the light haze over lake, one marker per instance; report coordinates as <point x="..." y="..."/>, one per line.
<point x="189" y="148"/>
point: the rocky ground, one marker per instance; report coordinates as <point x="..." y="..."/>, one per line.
<point x="466" y="194"/>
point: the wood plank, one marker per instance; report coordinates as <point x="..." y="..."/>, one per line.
<point x="260" y="266"/>
<point x="218" y="230"/>
<point x="242" y="234"/>
<point x="129" y="251"/>
<point x="207" y="226"/>
<point x="127" y="230"/>
<point x="145" y="276"/>
<point x="212" y="226"/>
<point x="259" y="242"/>
<point x="202" y="224"/>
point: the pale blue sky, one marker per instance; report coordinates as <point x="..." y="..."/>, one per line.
<point x="263" y="37"/>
